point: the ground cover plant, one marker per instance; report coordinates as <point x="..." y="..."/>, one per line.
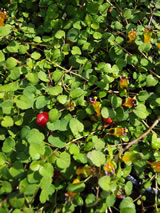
<point x="79" y="106"/>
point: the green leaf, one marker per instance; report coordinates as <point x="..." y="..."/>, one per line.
<point x="90" y="199"/>
<point x="107" y="68"/>
<point x="157" y="4"/>
<point x="80" y="157"/>
<point x="98" y="143"/>
<point x="22" y="49"/>
<point x="108" y="112"/>
<point x="8" y="145"/>
<point x="33" y="78"/>
<point x="72" y="35"/>
<point x="73" y="149"/>
<point x="35" y="165"/>
<point x="105" y="112"/>
<point x="17" y="169"/>
<point x="46" y="170"/>
<point x="24" y="131"/>
<point x="76" y="50"/>
<point x="7" y="121"/>
<point x="110" y="200"/>
<point x="36" y="149"/>
<point x="35" y="55"/>
<point x="13" y="47"/>
<point x="62" y="99"/>
<point x="121" y="114"/>
<point x="57" y="140"/>
<point x="141" y="111"/>
<point x="34" y="135"/>
<point x="43" y="76"/>
<point x="76" y="127"/>
<point x="15" y="74"/>
<point x="76" y="93"/>
<point x="54" y="115"/>
<point x="2" y="57"/>
<point x="55" y="91"/>
<point x="61" y="125"/>
<point x="10" y="87"/>
<point x="5" y="30"/>
<point x="64" y="160"/>
<point x="16" y="202"/>
<point x="60" y="34"/>
<point x="144" y="62"/>
<point x="27" y="188"/>
<point x="96" y="157"/>
<point x="97" y="35"/>
<point x="7" y="106"/>
<point x="116" y="25"/>
<point x="11" y="62"/>
<point x="128" y="14"/>
<point x="127" y="206"/>
<point x="6" y="187"/>
<point x="57" y="75"/>
<point x="44" y="196"/>
<point x="23" y="102"/>
<point x="104" y="183"/>
<point x="3" y="158"/>
<point x="92" y="7"/>
<point x="76" y="187"/>
<point x="116" y="101"/>
<point x="128" y="188"/>
<point x="143" y="95"/>
<point x="45" y="181"/>
<point x="151" y="81"/>
<point x="41" y="102"/>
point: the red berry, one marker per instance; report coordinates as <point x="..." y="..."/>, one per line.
<point x="107" y="120"/>
<point x="42" y="119"/>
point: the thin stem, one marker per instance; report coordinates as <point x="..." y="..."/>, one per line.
<point x="97" y="193"/>
<point x="147" y="126"/>
<point x="155" y="74"/>
<point x="87" y="179"/>
<point x="143" y="135"/>
<point x="151" y="16"/>
<point x="91" y="133"/>
<point x="137" y="198"/>
<point x="156" y="193"/>
<point x="68" y="71"/>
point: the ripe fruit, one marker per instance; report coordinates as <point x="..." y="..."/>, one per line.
<point x="107" y="120"/>
<point x="42" y="119"/>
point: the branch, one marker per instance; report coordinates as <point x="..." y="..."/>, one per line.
<point x="143" y="135"/>
<point x="68" y="71"/>
<point x="91" y="133"/>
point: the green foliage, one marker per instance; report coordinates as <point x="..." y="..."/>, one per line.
<point x="82" y="62"/>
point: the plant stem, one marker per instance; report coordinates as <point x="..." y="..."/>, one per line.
<point x="68" y="71"/>
<point x="143" y="135"/>
<point x="156" y="194"/>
